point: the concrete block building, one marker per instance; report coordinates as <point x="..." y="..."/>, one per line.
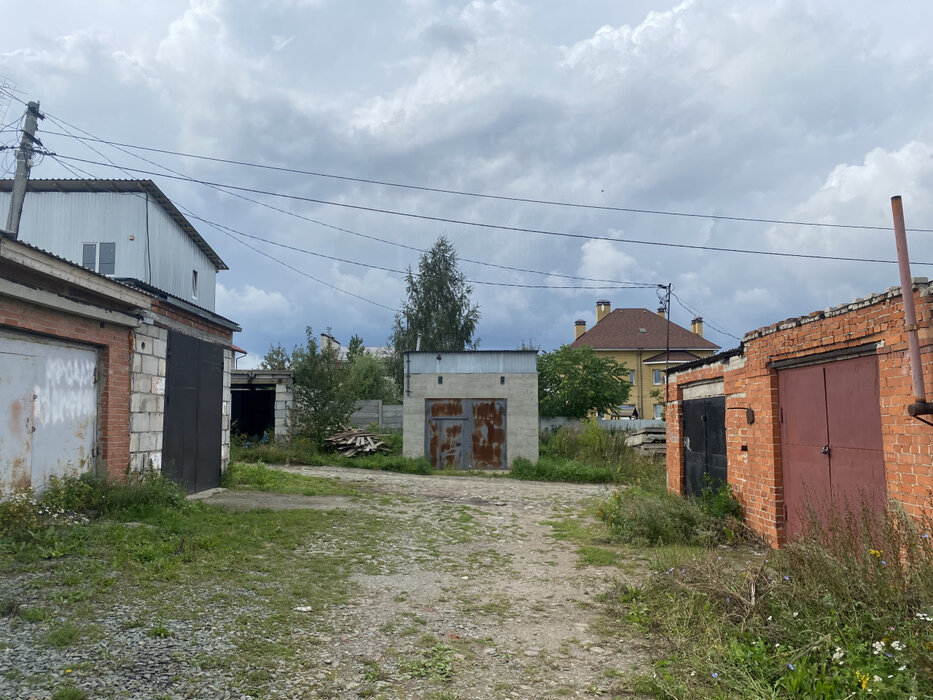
<point x="471" y="410"/>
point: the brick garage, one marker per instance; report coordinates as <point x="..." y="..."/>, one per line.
<point x="48" y="302"/>
<point x="864" y="346"/>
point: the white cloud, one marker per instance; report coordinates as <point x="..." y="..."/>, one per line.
<point x="252" y="303"/>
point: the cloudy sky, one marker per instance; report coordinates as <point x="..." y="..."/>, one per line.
<point x="789" y="110"/>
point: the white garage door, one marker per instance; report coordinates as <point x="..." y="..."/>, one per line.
<point x="48" y="410"/>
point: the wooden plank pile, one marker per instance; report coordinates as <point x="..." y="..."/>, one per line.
<point x="353" y="441"/>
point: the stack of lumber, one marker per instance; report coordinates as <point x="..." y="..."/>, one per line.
<point x="353" y="441"/>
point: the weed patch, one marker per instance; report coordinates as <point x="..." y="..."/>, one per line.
<point x="560" y="469"/>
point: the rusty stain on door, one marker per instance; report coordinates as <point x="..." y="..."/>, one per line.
<point x="489" y="434"/>
<point x="466" y="433"/>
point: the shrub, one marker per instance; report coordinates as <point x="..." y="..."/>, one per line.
<point x="642" y="517"/>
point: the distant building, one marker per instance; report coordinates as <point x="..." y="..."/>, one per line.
<point x="640" y="338"/>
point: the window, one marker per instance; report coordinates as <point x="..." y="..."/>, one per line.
<point x="194" y="283"/>
<point x="631" y="376"/>
<point x="99" y="257"/>
<point x="657" y="377"/>
<point x="658" y="411"/>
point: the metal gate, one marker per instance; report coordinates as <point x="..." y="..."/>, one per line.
<point x="48" y="404"/>
<point x="193" y="404"/>
<point x="465" y="433"/>
<point x="831" y="443"/>
<point x="704" y="443"/>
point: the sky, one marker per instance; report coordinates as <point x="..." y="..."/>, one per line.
<point x="814" y="112"/>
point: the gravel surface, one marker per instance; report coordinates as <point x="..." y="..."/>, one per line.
<point x="496" y="608"/>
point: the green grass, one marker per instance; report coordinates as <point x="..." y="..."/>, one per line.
<point x="846" y="612"/>
<point x="69" y="692"/>
<point x="549" y="468"/>
<point x="260" y="478"/>
<point x="181" y="557"/>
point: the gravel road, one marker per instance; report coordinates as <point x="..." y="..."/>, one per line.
<point x="500" y="610"/>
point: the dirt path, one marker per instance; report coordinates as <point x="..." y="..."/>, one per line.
<point x="486" y="604"/>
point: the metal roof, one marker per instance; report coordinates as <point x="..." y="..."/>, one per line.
<point x="128" y="187"/>
<point x="472" y="362"/>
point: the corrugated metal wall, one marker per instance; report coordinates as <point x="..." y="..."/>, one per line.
<point x="61" y="222"/>
<point x="482" y="362"/>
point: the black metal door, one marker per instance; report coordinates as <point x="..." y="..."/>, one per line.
<point x="704" y="443"/>
<point x="193" y="402"/>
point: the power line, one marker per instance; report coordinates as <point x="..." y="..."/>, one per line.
<point x="486" y="195"/>
<point x="712" y="325"/>
<point x="229" y="230"/>
<point x="221" y="189"/>
<point x="502" y="227"/>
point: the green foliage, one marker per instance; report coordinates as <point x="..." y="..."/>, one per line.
<point x="437" y="309"/>
<point x="368" y="379"/>
<point x="651" y="518"/>
<point x="575" y="382"/>
<point x="276" y="357"/>
<point x="560" y="469"/>
<point x="322" y="404"/>
<point x="355" y="349"/>
<point x="598" y="447"/>
<point x="69" y="692"/>
<point x="436" y="663"/>
<point x="301" y="452"/>
<point x="846" y="611"/>
<point x="718" y="501"/>
<point x="260" y="478"/>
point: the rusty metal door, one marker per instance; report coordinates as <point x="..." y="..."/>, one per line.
<point x="488" y="434"/>
<point x="831" y="443"/>
<point x="704" y="443"/>
<point x="48" y="396"/>
<point x="445" y="426"/>
<point x="465" y="433"/>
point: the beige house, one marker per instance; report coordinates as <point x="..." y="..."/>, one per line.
<point x="640" y="339"/>
<point x="471" y="410"/>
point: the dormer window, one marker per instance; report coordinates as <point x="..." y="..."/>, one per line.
<point x="99" y="257"/>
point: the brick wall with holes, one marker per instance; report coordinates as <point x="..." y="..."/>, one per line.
<point x="114" y="345"/>
<point x="750" y="380"/>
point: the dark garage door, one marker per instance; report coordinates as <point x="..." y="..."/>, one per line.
<point x="831" y="445"/>
<point x="704" y="443"/>
<point x="193" y="403"/>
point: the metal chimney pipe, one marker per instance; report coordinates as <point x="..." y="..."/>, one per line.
<point x="910" y="312"/>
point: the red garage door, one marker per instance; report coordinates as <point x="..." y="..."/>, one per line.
<point x="831" y="446"/>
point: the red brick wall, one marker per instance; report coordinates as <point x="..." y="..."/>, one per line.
<point x="755" y="473"/>
<point x="114" y="345"/>
<point x="223" y="334"/>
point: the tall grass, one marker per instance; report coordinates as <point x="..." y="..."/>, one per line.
<point x="604" y="449"/>
<point x="846" y="611"/>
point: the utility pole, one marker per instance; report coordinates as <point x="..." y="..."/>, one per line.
<point x="23" y="165"/>
<point x="667" y="354"/>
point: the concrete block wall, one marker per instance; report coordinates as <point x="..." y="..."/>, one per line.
<point x="225" y="412"/>
<point x="756" y="474"/>
<point x="519" y="390"/>
<point x="284" y="407"/>
<point x="147" y="396"/>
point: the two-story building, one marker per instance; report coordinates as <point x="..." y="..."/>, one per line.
<point x="111" y="355"/>
<point x="648" y="344"/>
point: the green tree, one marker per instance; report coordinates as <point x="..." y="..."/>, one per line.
<point x="437" y="309"/>
<point x="277" y="357"/>
<point x="322" y="402"/>
<point x="368" y="380"/>
<point x="574" y="382"/>
<point x="355" y="349"/>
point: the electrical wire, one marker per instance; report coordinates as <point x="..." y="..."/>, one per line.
<point x="503" y="227"/>
<point x="221" y="189"/>
<point x="696" y="313"/>
<point x="486" y="195"/>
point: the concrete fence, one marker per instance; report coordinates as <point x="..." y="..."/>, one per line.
<point x="628" y="425"/>
<point x="388" y="417"/>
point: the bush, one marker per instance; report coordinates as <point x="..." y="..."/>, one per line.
<point x="598" y="447"/>
<point x="560" y="469"/>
